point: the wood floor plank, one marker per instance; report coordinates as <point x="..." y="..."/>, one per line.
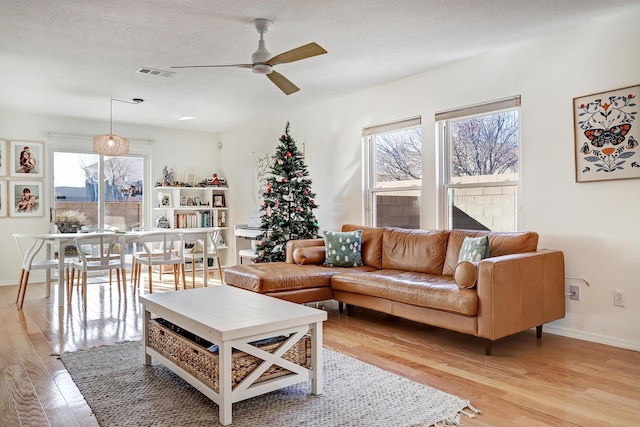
<point x="555" y="381"/>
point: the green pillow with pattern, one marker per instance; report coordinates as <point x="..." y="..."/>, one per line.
<point x="474" y="249"/>
<point x="343" y="249"/>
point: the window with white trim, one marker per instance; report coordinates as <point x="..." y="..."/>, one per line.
<point x="480" y="166"/>
<point x="393" y="173"/>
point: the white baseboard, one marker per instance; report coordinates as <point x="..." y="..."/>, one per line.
<point x="588" y="336"/>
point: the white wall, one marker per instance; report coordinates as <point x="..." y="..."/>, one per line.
<point x="595" y="224"/>
<point x="180" y="150"/>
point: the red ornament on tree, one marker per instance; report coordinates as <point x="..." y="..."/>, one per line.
<point x="284" y="179"/>
<point x="288" y="154"/>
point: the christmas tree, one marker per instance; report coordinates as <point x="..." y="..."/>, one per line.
<point x="287" y="211"/>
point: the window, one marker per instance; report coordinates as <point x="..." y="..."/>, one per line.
<point x="76" y="178"/>
<point x="393" y="171"/>
<point x="480" y="153"/>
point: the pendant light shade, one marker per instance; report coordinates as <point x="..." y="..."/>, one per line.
<point x="110" y="144"/>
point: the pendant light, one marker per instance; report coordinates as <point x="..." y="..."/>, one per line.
<point x="110" y="144"/>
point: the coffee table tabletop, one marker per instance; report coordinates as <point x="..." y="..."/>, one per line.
<point x="233" y="318"/>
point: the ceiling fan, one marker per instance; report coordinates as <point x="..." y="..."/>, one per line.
<point x="263" y="61"/>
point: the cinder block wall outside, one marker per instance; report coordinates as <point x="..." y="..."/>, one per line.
<point x="122" y="215"/>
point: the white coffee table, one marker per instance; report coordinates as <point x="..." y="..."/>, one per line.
<point x="232" y="318"/>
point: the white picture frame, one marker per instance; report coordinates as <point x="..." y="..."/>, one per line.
<point x="190" y="178"/>
<point x="27" y="159"/>
<point x="4" y="202"/>
<point x="32" y="205"/>
<point x="4" y="157"/>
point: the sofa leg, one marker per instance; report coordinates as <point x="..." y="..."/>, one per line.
<point x="487" y="347"/>
<point x="349" y="309"/>
<point x="340" y="307"/>
<point x="539" y="331"/>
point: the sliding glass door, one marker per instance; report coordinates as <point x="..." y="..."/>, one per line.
<point x="117" y="203"/>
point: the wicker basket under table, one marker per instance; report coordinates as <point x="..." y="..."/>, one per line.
<point x="191" y="354"/>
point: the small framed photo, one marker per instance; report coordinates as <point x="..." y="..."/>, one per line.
<point x="3" y="158"/>
<point x="190" y="178"/>
<point x="218" y="201"/>
<point x="165" y="200"/>
<point x="197" y="201"/>
<point x="27" y="159"/>
<point x="3" y="198"/>
<point x="26" y="198"/>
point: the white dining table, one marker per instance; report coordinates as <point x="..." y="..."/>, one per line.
<point x="61" y="240"/>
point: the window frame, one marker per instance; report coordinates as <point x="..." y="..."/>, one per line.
<point x="369" y="170"/>
<point x="443" y="120"/>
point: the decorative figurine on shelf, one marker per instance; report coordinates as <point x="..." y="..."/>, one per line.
<point x="168" y="177"/>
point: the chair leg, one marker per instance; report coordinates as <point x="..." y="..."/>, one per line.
<point x="133" y="270"/>
<point x="182" y="268"/>
<point x="20" y="285"/>
<point x="118" y="279"/>
<point x="24" y="290"/>
<point x="176" y="274"/>
<point x="219" y="270"/>
<point x="84" y="288"/>
<point x="124" y="283"/>
<point x="110" y="277"/>
<point x="193" y="273"/>
<point x="70" y="285"/>
<point x="150" y="280"/>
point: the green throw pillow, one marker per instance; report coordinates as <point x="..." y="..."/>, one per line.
<point x="474" y="249"/>
<point x="343" y="249"/>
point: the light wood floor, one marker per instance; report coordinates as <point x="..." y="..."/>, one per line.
<point x="555" y="381"/>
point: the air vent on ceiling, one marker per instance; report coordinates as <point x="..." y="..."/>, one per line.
<point x="154" y="72"/>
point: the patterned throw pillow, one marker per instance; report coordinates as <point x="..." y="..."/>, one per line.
<point x="343" y="249"/>
<point x="474" y="249"/>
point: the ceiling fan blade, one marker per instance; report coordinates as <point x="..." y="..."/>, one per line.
<point x="302" y="52"/>
<point x="215" y="66"/>
<point x="283" y="83"/>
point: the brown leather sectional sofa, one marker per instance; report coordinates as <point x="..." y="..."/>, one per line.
<point x="410" y="274"/>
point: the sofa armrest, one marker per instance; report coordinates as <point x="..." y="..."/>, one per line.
<point x="292" y="245"/>
<point x="520" y="291"/>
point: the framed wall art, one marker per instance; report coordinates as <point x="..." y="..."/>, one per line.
<point x="27" y="159"/>
<point x="3" y="157"/>
<point x="26" y="198"/>
<point x="606" y="135"/>
<point x="3" y="198"/>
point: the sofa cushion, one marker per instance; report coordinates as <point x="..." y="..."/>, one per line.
<point x="309" y="255"/>
<point x="466" y="274"/>
<point x="280" y="276"/>
<point x="343" y="248"/>
<point x="418" y="289"/>
<point x="371" y="244"/>
<point x="292" y="245"/>
<point x="414" y="250"/>
<point x="500" y="243"/>
<point x="474" y="249"/>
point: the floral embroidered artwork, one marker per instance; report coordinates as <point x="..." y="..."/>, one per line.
<point x="606" y="137"/>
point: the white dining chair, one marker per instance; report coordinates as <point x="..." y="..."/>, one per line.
<point x="29" y="246"/>
<point x="98" y="252"/>
<point x="171" y="245"/>
<point x="197" y="254"/>
<point x="138" y="251"/>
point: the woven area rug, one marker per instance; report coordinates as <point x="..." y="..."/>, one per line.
<point x="122" y="391"/>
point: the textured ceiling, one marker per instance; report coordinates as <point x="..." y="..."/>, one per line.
<point x="69" y="57"/>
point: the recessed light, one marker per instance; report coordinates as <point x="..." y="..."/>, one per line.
<point x="186" y="118"/>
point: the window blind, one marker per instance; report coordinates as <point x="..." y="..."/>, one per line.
<point x="472" y="110"/>
<point x="390" y="127"/>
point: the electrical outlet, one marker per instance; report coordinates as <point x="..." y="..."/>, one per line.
<point x="618" y="298"/>
<point x="574" y="290"/>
